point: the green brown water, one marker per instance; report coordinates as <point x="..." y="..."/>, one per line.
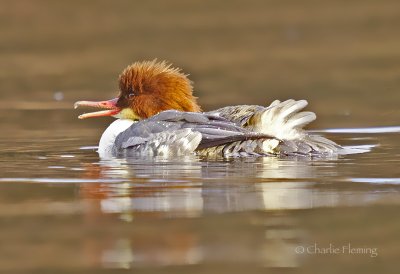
<point x="63" y="210"/>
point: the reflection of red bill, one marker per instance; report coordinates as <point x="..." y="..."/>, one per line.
<point x="110" y="106"/>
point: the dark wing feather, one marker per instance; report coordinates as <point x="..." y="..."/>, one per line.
<point x="214" y="142"/>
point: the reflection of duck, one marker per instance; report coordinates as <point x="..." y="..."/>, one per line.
<point x="171" y="124"/>
<point x="191" y="187"/>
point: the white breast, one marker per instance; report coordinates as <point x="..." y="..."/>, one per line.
<point x="110" y="134"/>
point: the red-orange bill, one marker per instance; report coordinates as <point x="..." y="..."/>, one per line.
<point x="110" y="106"/>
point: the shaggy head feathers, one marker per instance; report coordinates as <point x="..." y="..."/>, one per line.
<point x="150" y="87"/>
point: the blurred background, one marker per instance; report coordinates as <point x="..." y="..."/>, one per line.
<point x="342" y="56"/>
<point x="61" y="208"/>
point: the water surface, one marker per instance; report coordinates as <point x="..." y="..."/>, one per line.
<point x="58" y="197"/>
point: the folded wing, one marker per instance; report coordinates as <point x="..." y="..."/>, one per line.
<point x="179" y="133"/>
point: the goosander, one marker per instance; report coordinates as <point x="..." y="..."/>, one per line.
<point x="157" y="115"/>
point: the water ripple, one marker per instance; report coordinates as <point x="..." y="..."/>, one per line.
<point x="391" y="181"/>
<point x="369" y="130"/>
<point x="59" y="180"/>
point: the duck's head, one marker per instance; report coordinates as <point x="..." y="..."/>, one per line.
<point x="145" y="89"/>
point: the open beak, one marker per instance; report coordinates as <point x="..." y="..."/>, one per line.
<point x="110" y="107"/>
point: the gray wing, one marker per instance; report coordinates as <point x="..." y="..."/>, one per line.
<point x="177" y="133"/>
<point x="167" y="143"/>
<point x="171" y="133"/>
<point x="240" y="114"/>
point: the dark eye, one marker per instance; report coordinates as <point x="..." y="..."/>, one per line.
<point x="130" y="95"/>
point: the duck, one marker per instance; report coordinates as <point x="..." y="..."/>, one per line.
<point x="158" y="115"/>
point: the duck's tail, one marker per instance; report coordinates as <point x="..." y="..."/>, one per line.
<point x="283" y="120"/>
<point x="286" y="121"/>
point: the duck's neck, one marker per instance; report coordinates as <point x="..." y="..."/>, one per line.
<point x="110" y="134"/>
